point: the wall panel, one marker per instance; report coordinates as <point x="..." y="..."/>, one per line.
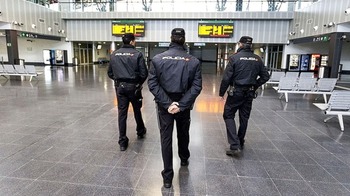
<point x="321" y="13"/>
<point x="263" y="31"/>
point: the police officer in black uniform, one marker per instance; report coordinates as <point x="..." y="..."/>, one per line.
<point x="175" y="80"/>
<point x="128" y="70"/>
<point x="244" y="73"/>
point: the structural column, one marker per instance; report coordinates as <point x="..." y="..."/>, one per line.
<point x="219" y="59"/>
<point x="225" y="56"/>
<point x="112" y="48"/>
<point x="335" y="47"/>
<point x="12" y="46"/>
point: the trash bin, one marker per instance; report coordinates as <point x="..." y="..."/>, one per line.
<point x="324" y="72"/>
<point x="75" y="61"/>
<point x="19" y="61"/>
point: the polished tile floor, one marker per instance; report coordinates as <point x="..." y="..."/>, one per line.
<point x="59" y="137"/>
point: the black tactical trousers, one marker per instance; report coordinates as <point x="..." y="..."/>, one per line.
<point x="126" y="95"/>
<point x="166" y="125"/>
<point x="241" y="100"/>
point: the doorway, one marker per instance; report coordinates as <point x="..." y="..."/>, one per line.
<point x="83" y="52"/>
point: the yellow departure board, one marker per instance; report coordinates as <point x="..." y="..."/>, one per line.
<point x="215" y="29"/>
<point x="137" y="27"/>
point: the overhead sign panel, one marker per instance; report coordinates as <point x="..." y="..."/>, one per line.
<point x="120" y="27"/>
<point x="214" y="29"/>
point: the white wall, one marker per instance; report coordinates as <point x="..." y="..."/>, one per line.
<point x="3" y="49"/>
<point x="345" y="56"/>
<point x="102" y="53"/>
<point x="32" y="51"/>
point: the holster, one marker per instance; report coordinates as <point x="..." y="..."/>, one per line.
<point x="231" y="90"/>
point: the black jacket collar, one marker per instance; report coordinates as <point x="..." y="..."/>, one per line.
<point x="244" y="50"/>
<point x="128" y="46"/>
<point x="176" y="46"/>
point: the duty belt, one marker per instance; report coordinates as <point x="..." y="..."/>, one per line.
<point x="126" y="84"/>
<point x="233" y="89"/>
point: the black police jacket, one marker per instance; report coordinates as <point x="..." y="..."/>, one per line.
<point x="127" y="65"/>
<point x="244" y="69"/>
<point x="174" y="72"/>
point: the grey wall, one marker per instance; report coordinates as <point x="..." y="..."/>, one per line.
<point x="320" y="13"/>
<point x="263" y="31"/>
<point x="29" y="13"/>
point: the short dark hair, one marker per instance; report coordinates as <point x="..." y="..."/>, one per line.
<point x="178" y="39"/>
<point x="178" y="36"/>
<point x="128" y="37"/>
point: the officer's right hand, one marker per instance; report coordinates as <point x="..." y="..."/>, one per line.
<point x="222" y="98"/>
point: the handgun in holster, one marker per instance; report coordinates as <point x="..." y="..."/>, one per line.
<point x="138" y="90"/>
<point x="231" y="90"/>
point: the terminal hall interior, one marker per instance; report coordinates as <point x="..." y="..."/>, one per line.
<point x="58" y="121"/>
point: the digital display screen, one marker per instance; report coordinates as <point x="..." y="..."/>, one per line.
<point x="120" y="27"/>
<point x="215" y="29"/>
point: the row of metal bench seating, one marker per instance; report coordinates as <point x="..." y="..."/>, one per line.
<point x="18" y="70"/>
<point x="322" y="86"/>
<point x="275" y="76"/>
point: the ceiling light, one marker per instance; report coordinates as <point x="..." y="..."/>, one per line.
<point x="347" y="11"/>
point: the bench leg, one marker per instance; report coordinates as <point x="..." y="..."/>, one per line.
<point x="328" y="118"/>
<point x="31" y="77"/>
<point x="325" y="98"/>
<point x="281" y="96"/>
<point x="286" y="95"/>
<point x="341" y="123"/>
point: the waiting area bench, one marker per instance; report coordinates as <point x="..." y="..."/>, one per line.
<point x="338" y="105"/>
<point x="276" y="76"/>
<point x="18" y="70"/>
<point x="304" y="85"/>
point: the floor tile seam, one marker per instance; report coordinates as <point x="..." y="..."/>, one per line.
<point x="28" y="161"/>
<point x="269" y="177"/>
<point x="60" y="161"/>
<point x="276" y="187"/>
<point x="305" y="182"/>
<point x="54" y="165"/>
<point x="206" y="174"/>
<point x="65" y="184"/>
<point x="348" y="166"/>
<point x="317" y="164"/>
<point x="28" y="185"/>
<point x="323" y="166"/>
<point x="309" y="138"/>
<point x="115" y="166"/>
<point x="142" y="172"/>
<point x="289" y="164"/>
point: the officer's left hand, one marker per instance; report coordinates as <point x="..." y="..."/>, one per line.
<point x="173" y="108"/>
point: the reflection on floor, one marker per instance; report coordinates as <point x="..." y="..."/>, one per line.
<point x="59" y="136"/>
